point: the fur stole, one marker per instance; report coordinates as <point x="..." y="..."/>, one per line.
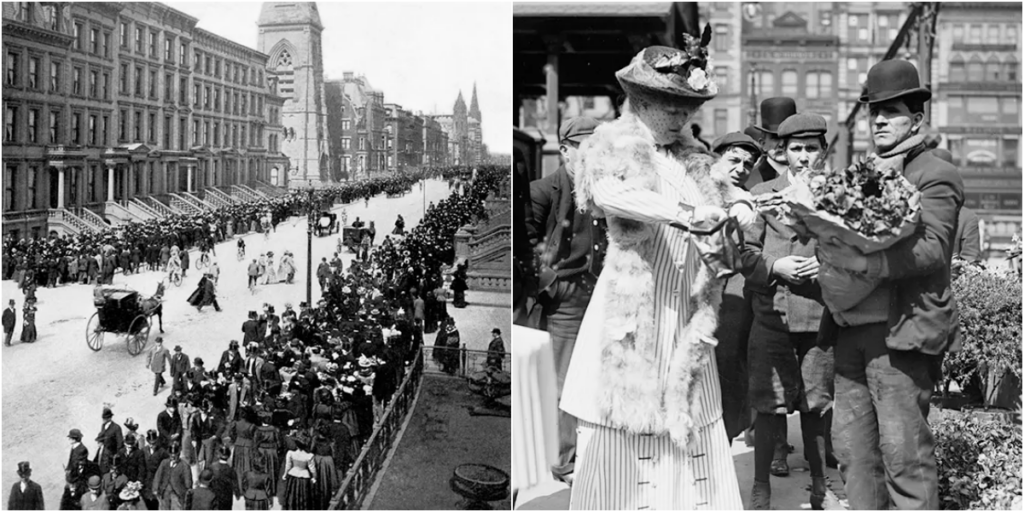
<point x="632" y="396"/>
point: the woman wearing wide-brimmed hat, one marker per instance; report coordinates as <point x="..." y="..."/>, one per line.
<point x="643" y="379"/>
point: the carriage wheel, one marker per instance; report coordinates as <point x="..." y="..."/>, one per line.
<point x="93" y="333"/>
<point x="138" y="335"/>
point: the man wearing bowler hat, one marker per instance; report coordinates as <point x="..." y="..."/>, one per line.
<point x="889" y="348"/>
<point x="773" y="112"/>
<point x="26" y="494"/>
<point x="110" y="441"/>
<point x="570" y="244"/>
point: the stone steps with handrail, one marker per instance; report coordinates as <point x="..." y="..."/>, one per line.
<point x="163" y="209"/>
<point x="142" y="210"/>
<point x="182" y="205"/>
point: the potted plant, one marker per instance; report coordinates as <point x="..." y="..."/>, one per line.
<point x="989" y="339"/>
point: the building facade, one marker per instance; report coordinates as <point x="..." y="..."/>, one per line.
<point x="290" y="34"/>
<point x="109" y="104"/>
<point x="725" y="113"/>
<point x="435" y="143"/>
<point x="977" y="109"/>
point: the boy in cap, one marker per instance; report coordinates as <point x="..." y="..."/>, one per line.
<point x="889" y="348"/>
<point x="571" y="246"/>
<point x="738" y="154"/>
<point x="788" y="367"/>
<point x="25" y="494"/>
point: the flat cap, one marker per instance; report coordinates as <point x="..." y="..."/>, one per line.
<point x="803" y="125"/>
<point x="577" y="128"/>
<point x="736" y="139"/>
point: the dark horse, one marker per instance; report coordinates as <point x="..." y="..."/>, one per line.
<point x="154" y="305"/>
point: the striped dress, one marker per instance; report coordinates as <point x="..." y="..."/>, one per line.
<point x="618" y="470"/>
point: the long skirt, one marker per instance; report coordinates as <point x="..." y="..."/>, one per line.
<point x="618" y="470"/>
<point x="298" y="494"/>
<point x="327" y="481"/>
<point x="272" y="463"/>
<point x="28" y="333"/>
<point x="241" y="461"/>
<point x="257" y="504"/>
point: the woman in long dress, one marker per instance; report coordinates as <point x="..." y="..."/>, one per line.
<point x="256" y="486"/>
<point x="28" y="328"/>
<point x="268" y="445"/>
<point x="299" y="476"/>
<point x="271" y="276"/>
<point x="327" y="474"/>
<point x="643" y="380"/>
<point x="241" y="433"/>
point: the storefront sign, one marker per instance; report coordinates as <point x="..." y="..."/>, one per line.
<point x="797" y="56"/>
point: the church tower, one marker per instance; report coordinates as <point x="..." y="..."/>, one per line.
<point x="290" y="34"/>
<point x="475" y="131"/>
<point x="474" y="107"/>
<point x="461" y="121"/>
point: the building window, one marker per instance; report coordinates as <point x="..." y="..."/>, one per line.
<point x="152" y="128"/>
<point x="975" y="68"/>
<point x="76" y="81"/>
<point x="106" y="86"/>
<point x="93" y="84"/>
<point x="183" y="91"/>
<point x="216" y="133"/>
<point x="825" y="17"/>
<point x="152" y="83"/>
<point x="168" y="49"/>
<point x="958" y="33"/>
<point x="10" y="197"/>
<point x="124" y="78"/>
<point x="168" y="88"/>
<point x="94" y="41"/>
<point x="1010" y="69"/>
<point x="1011" y="109"/>
<point x="33" y="177"/>
<point x="183" y="54"/>
<point x="1011" y="34"/>
<point x="346" y="143"/>
<point x="11" y="124"/>
<point x="721" y="38"/>
<point x="33" y="72"/>
<point x="54" y="77"/>
<point x="362" y="143"/>
<point x="152" y="44"/>
<point x="33" y="125"/>
<point x="216" y="100"/>
<point x="76" y="128"/>
<point x="195" y="133"/>
<point x="216" y="68"/>
<point x="993" y="34"/>
<point x="721" y="121"/>
<point x="208" y="65"/>
<point x="92" y="130"/>
<point x="105" y="120"/>
<point x="12" y="69"/>
<point x="992" y="68"/>
<point x="206" y="98"/>
<point x="789" y="83"/>
<point x="138" y="39"/>
<point x="974" y="36"/>
<point x="55" y="127"/>
<point x="106" y="44"/>
<point x="195" y="94"/>
<point x="122" y="130"/>
<point x="183" y="132"/>
<point x="78" y="36"/>
<point x="766" y="84"/>
<point x="957" y="70"/>
<point x="124" y="35"/>
<point x="1010" y="151"/>
<point x="138" y="81"/>
<point x="138" y="126"/>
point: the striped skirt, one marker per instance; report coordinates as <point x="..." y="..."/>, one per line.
<point x="617" y="470"/>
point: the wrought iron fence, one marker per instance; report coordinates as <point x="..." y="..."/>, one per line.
<point x="361" y="475"/>
<point x="460" y="362"/>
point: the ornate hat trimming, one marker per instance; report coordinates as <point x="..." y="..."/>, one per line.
<point x="774" y="111"/>
<point x="669" y="75"/>
<point x="892" y="79"/>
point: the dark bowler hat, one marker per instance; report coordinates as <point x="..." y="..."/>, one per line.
<point x="107" y="413"/>
<point x="892" y="79"/>
<point x="774" y="111"/>
<point x="803" y="125"/>
<point x="736" y="139"/>
<point x="75" y="434"/>
<point x="577" y="128"/>
<point x="24" y="469"/>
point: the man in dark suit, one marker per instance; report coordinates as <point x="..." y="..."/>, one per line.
<point x="159" y="360"/>
<point x="789" y="369"/>
<point x="168" y="422"/>
<point x="231" y="360"/>
<point x="180" y="365"/>
<point x="570" y="245"/>
<point x="26" y="494"/>
<point x="887" y="363"/>
<point x="249" y="328"/>
<point x="173" y="480"/>
<point x="79" y="452"/>
<point x="224" y="481"/>
<point x="202" y="498"/>
<point x="110" y="441"/>
<point x="773" y="162"/>
<point x="133" y="464"/>
<point x="9" y="319"/>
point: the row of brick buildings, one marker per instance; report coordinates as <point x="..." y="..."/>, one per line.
<point x="369" y="136"/>
<point x="113" y="111"/>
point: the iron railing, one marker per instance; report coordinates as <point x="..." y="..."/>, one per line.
<point x="469" y="361"/>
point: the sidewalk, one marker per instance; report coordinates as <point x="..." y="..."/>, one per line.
<point x="788" y="493"/>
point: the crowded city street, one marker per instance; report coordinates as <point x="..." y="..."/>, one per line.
<point x="57" y="383"/>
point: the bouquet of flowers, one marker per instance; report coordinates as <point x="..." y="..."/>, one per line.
<point x="869" y="205"/>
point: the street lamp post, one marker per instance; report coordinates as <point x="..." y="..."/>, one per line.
<point x="309" y="248"/>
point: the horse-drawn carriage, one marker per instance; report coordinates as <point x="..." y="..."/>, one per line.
<point x="327" y="224"/>
<point x="122" y="311"/>
<point x="352" y="237"/>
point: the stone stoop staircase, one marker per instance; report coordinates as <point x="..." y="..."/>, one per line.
<point x="119" y="214"/>
<point x="165" y="210"/>
<point x="242" y="194"/>
<point x="142" y="210"/>
<point x="64" y="221"/>
<point x="183" y="205"/>
<point x="487" y="249"/>
<point x="217" y="198"/>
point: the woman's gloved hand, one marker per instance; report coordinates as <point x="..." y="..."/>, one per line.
<point x="744" y="214"/>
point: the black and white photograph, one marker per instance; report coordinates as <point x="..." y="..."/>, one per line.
<point x="256" y="255"/>
<point x="767" y="256"/>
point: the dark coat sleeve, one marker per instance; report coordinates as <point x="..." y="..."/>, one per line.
<point x="928" y="249"/>
<point x="540" y="207"/>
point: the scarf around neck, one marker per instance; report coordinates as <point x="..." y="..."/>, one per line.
<point x="903" y="147"/>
